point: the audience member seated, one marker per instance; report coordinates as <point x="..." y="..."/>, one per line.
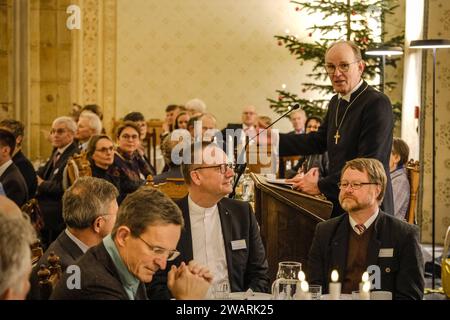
<point x="144" y="238"/>
<point x="265" y="136"/>
<point x="94" y="108"/>
<point x="50" y="189"/>
<point x="139" y="120"/>
<point x="248" y="126"/>
<point x="89" y="124"/>
<point x="174" y="169"/>
<point x="195" y="107"/>
<point x="129" y="166"/>
<point x="367" y="236"/>
<point x="306" y="163"/>
<point x="100" y="154"/>
<point x="191" y="125"/>
<point x="298" y="119"/>
<point x="214" y="226"/>
<point x="208" y="126"/>
<point x="12" y="180"/>
<point x="22" y="163"/>
<point x="89" y="211"/>
<point x="181" y="121"/>
<point x="172" y="111"/>
<point x="400" y="183"/>
<point x="16" y="237"/>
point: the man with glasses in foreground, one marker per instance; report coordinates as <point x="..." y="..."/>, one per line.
<point x="358" y="123"/>
<point x="367" y="236"/>
<point x="221" y="233"/>
<point x="144" y="238"/>
<point x="89" y="212"/>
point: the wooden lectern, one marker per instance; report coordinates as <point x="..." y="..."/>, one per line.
<point x="288" y="219"/>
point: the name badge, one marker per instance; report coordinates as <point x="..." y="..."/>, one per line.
<point x="386" y="253"/>
<point x="56" y="171"/>
<point x="238" y="244"/>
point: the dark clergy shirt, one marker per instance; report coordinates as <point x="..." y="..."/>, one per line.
<point x="365" y="132"/>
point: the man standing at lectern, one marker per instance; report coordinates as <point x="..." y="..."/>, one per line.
<point x="358" y="124"/>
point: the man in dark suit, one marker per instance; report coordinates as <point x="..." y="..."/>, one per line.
<point x="239" y="130"/>
<point x="298" y="119"/>
<point x="23" y="163"/>
<point x="89" y="211"/>
<point x="144" y="238"/>
<point x="367" y="237"/>
<point x="50" y="189"/>
<point x="12" y="180"/>
<point x="219" y="232"/>
<point x="358" y="124"/>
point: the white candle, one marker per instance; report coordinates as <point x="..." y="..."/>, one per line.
<point x="305" y="290"/>
<point x="302" y="291"/>
<point x="335" y="286"/>
<point x="364" y="287"/>
<point x="364" y="292"/>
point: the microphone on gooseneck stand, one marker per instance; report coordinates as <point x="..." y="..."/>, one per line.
<point x="241" y="164"/>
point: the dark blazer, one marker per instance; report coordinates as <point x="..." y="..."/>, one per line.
<point x="14" y="184"/>
<point x="50" y="192"/>
<point x="99" y="279"/>
<point x="247" y="268"/>
<point x="402" y="274"/>
<point x="365" y="132"/>
<point x="67" y="251"/>
<point x="28" y="172"/>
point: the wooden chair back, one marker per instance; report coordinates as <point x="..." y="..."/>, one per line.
<point x="31" y="208"/>
<point x="77" y="166"/>
<point x="49" y="275"/>
<point x="36" y="252"/>
<point x="174" y="188"/>
<point x="413" y="170"/>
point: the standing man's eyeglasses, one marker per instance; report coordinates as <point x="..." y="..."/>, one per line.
<point x="343" y="67"/>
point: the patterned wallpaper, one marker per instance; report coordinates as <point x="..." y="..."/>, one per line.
<point x="438" y="27"/>
<point x="221" y="51"/>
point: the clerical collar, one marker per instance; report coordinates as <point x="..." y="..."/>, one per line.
<point x="195" y="209"/>
<point x="349" y="95"/>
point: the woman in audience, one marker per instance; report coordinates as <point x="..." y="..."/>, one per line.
<point x="100" y="153"/>
<point x="399" y="178"/>
<point x="130" y="167"/>
<point x="181" y="121"/>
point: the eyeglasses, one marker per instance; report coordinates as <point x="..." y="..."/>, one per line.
<point x="105" y="150"/>
<point x="354" y="185"/>
<point x="58" y="131"/>
<point x="127" y="136"/>
<point x="169" y="254"/>
<point x="343" y="67"/>
<point x="312" y="127"/>
<point x="223" y="167"/>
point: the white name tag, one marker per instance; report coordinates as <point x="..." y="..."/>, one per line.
<point x="56" y="171"/>
<point x="386" y="253"/>
<point x="238" y="244"/>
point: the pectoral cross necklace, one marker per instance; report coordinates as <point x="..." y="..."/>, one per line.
<point x="337" y="135"/>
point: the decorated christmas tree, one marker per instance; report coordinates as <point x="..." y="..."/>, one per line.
<point x="360" y="21"/>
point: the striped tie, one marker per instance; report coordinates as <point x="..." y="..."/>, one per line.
<point x="361" y="228"/>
